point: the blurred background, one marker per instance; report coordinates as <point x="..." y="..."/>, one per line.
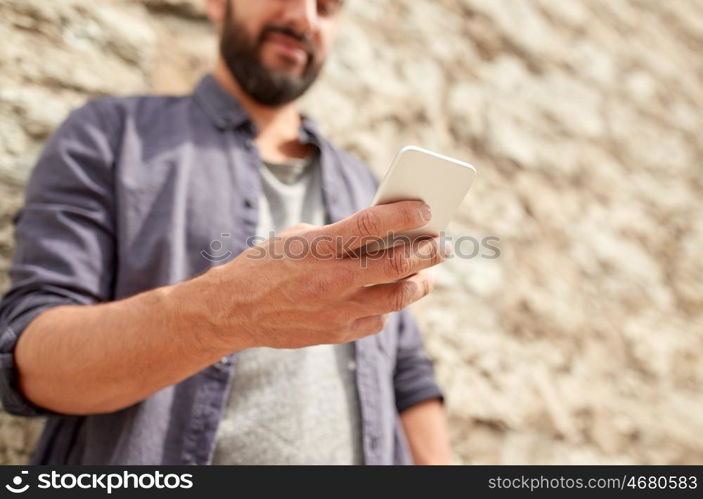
<point x="583" y="341"/>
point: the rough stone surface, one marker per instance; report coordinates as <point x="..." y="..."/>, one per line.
<point x="583" y="341"/>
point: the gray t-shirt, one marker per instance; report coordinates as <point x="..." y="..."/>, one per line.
<point x="291" y="406"/>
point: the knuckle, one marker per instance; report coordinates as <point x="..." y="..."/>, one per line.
<point x="431" y="252"/>
<point x="368" y="223"/>
<point x="398" y="264"/>
<point x="346" y="332"/>
<point x="334" y="328"/>
<point x="378" y="324"/>
<point x="403" y="297"/>
<point x="371" y="325"/>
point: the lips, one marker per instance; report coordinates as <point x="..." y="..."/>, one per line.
<point x="288" y="47"/>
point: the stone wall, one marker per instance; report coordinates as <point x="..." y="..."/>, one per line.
<point x="583" y="341"/>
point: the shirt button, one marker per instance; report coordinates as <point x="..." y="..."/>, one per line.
<point x="248" y="203"/>
<point x="373" y="441"/>
<point x="351" y="365"/>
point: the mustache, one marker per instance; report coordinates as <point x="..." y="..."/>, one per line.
<point x="303" y="39"/>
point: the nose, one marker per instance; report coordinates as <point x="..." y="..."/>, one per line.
<point x="301" y="15"/>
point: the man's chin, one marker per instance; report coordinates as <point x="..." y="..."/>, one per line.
<point x="279" y="63"/>
<point x="292" y="76"/>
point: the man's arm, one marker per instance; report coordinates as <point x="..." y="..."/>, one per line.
<point x="101" y="358"/>
<point x="418" y="397"/>
<point x="425" y="426"/>
<point x="85" y="359"/>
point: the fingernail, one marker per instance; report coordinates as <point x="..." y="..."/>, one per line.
<point x="426" y="212"/>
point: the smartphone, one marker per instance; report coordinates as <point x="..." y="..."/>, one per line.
<point x="440" y="181"/>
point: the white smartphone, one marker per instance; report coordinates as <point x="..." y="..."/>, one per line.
<point x="440" y="181"/>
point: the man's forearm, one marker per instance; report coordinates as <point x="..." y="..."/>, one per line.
<point x="425" y="426"/>
<point x="102" y="358"/>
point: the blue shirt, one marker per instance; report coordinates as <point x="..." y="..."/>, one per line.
<point x="126" y="195"/>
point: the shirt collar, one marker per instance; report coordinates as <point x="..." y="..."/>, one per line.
<point x="222" y="108"/>
<point x="226" y="112"/>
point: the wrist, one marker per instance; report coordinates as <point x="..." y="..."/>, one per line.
<point x="212" y="316"/>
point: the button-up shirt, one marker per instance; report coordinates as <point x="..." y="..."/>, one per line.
<point x="129" y="194"/>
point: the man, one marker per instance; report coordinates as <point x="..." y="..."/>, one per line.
<point x="126" y="327"/>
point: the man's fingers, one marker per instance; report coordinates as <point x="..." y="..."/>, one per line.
<point x="366" y="326"/>
<point x="391" y="297"/>
<point x="396" y="263"/>
<point x="372" y="224"/>
<point x="380" y="300"/>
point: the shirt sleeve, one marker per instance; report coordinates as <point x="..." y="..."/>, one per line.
<point x="64" y="234"/>
<point x="414" y="378"/>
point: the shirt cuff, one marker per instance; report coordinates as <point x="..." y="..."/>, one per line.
<point x="425" y="389"/>
<point x="13" y="400"/>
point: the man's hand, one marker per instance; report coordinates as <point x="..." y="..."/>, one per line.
<point x="311" y="285"/>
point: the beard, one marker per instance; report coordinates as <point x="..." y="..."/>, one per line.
<point x="268" y="87"/>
